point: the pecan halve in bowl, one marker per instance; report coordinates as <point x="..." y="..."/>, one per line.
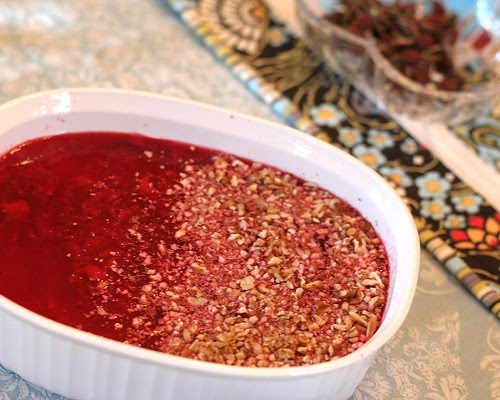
<point x="435" y="61"/>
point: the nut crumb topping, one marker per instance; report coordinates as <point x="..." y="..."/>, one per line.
<point x="260" y="269"/>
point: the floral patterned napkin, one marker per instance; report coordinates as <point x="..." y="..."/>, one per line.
<point x="456" y="224"/>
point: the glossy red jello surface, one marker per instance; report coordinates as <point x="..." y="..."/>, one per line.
<point x="187" y="250"/>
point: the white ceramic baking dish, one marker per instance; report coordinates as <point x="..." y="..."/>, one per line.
<point x="85" y="366"/>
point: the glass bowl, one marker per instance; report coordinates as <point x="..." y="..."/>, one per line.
<point x="359" y="60"/>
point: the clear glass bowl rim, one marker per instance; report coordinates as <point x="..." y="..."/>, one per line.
<point x="463" y="96"/>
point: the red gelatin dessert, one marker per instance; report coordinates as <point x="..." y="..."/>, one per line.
<point x="187" y="251"/>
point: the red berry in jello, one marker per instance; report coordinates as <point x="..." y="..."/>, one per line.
<point x="15" y="210"/>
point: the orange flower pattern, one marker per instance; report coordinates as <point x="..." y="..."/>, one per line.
<point x="480" y="234"/>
